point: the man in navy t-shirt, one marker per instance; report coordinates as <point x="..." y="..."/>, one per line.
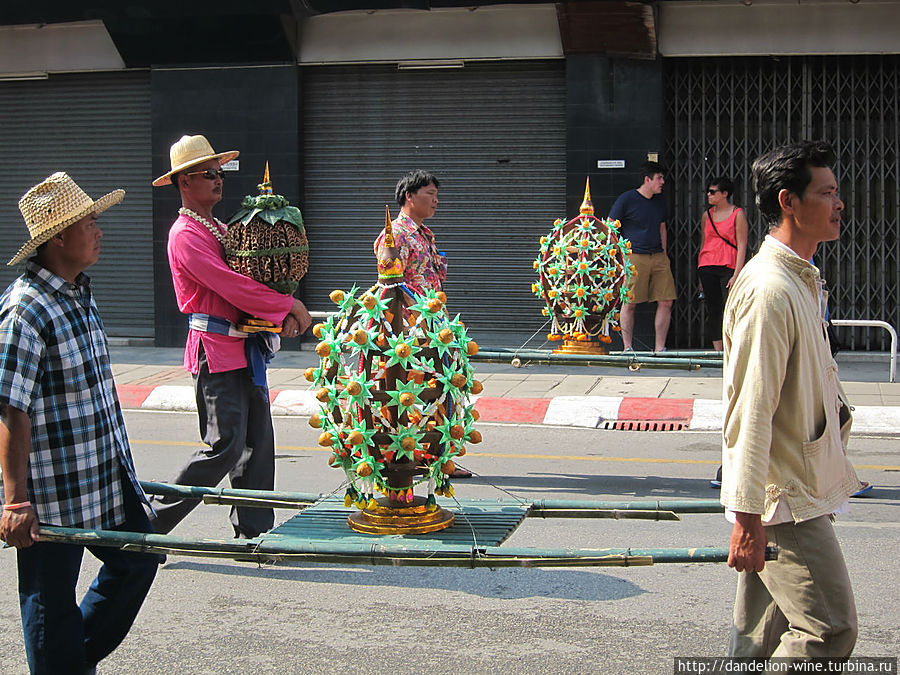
<point x="643" y="214"/>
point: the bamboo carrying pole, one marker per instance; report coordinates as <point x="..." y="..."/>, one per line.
<point x="276" y="548"/>
<point x="543" y="508"/>
<point x="539" y="506"/>
<point x="234" y="496"/>
<point x="644" y="360"/>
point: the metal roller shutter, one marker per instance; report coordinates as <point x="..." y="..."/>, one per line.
<point x="493" y="133"/>
<point x="96" y="127"/>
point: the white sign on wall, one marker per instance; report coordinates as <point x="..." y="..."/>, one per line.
<point x="610" y="163"/>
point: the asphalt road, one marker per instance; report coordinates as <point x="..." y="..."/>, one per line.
<point x="210" y="616"/>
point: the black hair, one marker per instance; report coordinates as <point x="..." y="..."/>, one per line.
<point x="787" y="168"/>
<point x="413" y="181"/>
<point x="724" y="184"/>
<point x="650" y="169"/>
<point x="174" y="178"/>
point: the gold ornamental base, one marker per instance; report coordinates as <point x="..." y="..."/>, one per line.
<point x="589" y="347"/>
<point x="389" y="519"/>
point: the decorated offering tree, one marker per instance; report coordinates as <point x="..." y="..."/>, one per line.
<point x="583" y="276"/>
<point x="394" y="379"/>
<point x="266" y="241"/>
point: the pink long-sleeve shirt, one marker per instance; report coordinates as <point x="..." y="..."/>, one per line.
<point x="205" y="284"/>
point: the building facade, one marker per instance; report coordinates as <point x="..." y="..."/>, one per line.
<point x="511" y="105"/>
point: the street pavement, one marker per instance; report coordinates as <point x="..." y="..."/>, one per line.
<point x="206" y="615"/>
<point x="579" y="396"/>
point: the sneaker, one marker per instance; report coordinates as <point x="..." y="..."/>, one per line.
<point x="865" y="489"/>
<point x="460" y="473"/>
<point x="717" y="484"/>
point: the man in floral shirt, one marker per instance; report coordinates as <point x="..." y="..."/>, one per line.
<point x="423" y="267"/>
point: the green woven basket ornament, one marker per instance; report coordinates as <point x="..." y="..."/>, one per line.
<point x="266" y="240"/>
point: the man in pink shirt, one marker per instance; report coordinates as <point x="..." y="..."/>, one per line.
<point x="232" y="401"/>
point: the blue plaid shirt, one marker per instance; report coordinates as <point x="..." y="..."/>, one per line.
<point x="54" y="365"/>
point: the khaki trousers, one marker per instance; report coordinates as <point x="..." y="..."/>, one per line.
<point x="800" y="605"/>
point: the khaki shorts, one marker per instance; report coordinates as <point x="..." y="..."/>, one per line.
<point x="652" y="280"/>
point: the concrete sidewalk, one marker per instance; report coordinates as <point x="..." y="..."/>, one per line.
<point x="656" y="399"/>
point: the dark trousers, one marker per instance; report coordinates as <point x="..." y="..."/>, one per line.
<point x="714" y="279"/>
<point x="62" y="636"/>
<point x="236" y="425"/>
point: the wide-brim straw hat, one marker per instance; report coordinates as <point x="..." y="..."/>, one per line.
<point x="189" y="151"/>
<point x="52" y="205"/>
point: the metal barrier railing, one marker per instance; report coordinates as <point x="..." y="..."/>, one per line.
<point x="876" y="324"/>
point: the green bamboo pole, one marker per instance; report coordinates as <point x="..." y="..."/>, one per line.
<point x="273" y="547"/>
<point x="614" y="514"/>
<point x="674" y="353"/>
<point x="548" y="357"/>
<point x="545" y="508"/>
<point x="290" y="499"/>
<point x="541" y="506"/>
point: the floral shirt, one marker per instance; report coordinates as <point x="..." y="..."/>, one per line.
<point x="423" y="267"/>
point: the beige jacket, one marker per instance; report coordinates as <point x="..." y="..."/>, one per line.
<point x="787" y="420"/>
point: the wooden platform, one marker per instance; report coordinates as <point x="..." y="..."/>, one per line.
<point x="491" y="522"/>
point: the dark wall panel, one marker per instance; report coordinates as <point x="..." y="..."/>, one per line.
<point x="613" y="111"/>
<point x="251" y="109"/>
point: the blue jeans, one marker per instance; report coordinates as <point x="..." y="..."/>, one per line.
<point x="63" y="637"/>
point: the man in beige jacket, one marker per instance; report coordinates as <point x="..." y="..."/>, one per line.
<point x="785" y="469"/>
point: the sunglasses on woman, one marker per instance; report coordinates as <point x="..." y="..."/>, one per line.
<point x="209" y="174"/>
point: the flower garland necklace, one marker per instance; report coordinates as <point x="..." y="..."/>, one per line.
<point x="216" y="231"/>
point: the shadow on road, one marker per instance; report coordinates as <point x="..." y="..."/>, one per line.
<point x="503" y="584"/>
<point x="594" y="486"/>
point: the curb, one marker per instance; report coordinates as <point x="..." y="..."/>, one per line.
<point x="590" y="412"/>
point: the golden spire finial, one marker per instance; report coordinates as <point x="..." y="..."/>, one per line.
<point x="587" y="207"/>
<point x="265" y="188"/>
<point x="389" y="266"/>
<point x="388" y="230"/>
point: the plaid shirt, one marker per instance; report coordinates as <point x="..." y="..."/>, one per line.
<point x="54" y="365"/>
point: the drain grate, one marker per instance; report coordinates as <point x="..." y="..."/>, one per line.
<point x="644" y="425"/>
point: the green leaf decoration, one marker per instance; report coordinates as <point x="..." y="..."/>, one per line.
<point x="436" y="343"/>
<point x="365" y="392"/>
<point x="396" y="340"/>
<point x="377" y="311"/>
<point x="403" y="388"/>
<point x="397" y="440"/>
<point x="270" y="208"/>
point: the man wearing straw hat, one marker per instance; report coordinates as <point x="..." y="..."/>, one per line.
<point x="232" y="398"/>
<point x="64" y="452"/>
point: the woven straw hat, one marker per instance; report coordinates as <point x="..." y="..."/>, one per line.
<point x="54" y="204"/>
<point x="189" y="151"/>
